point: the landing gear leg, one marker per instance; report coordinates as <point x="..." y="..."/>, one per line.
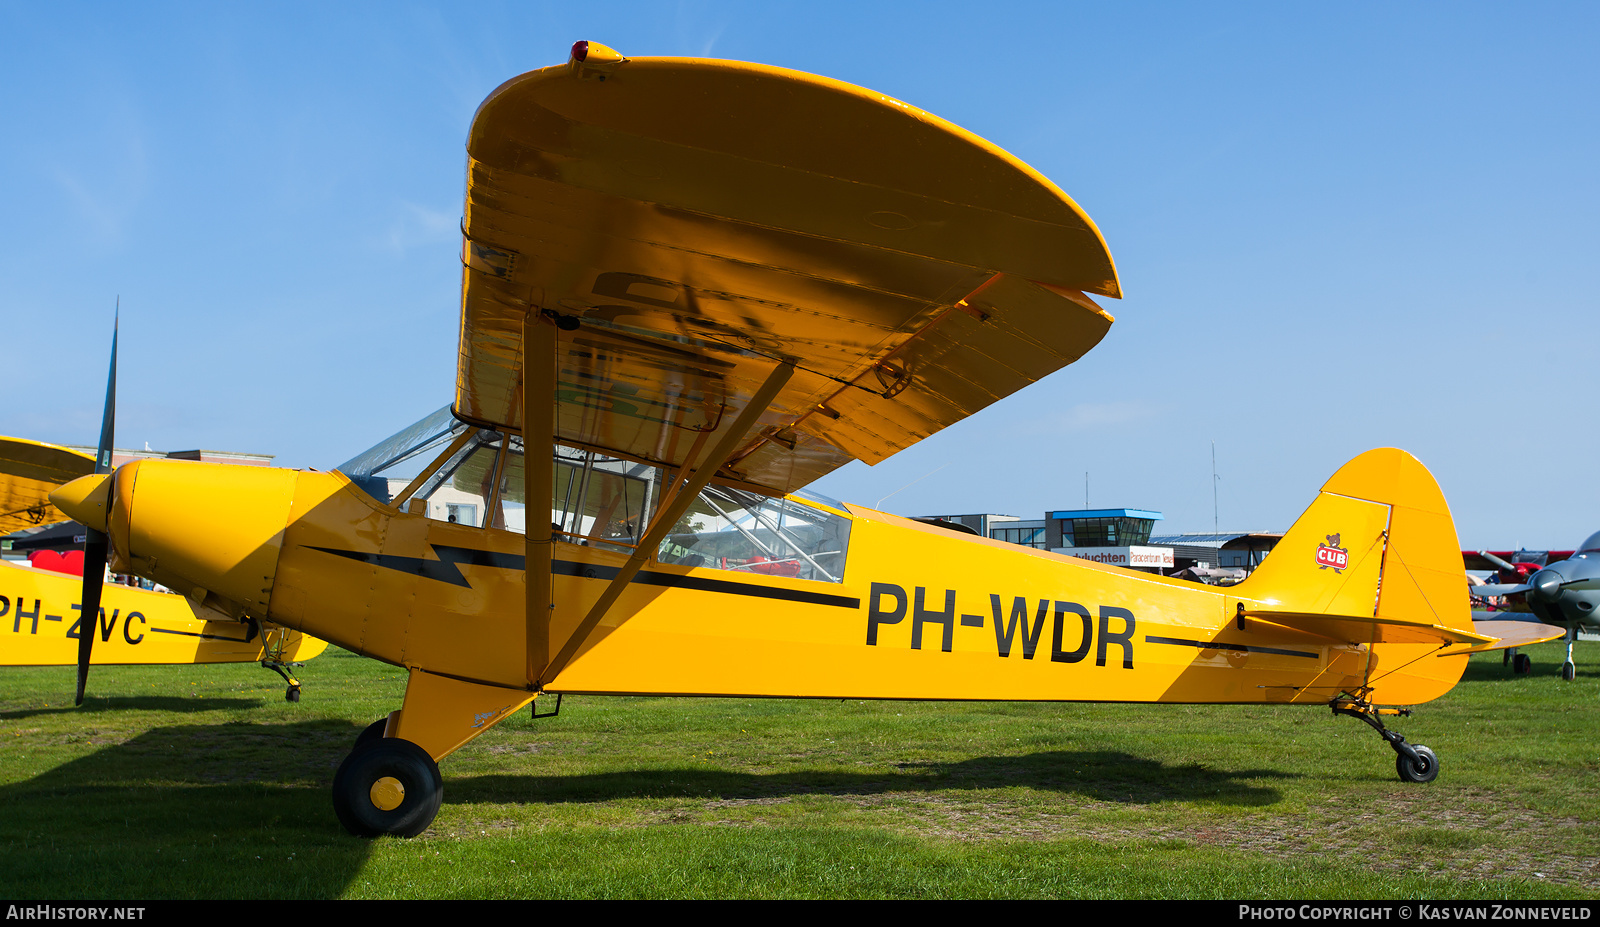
<point x="1569" y="670"/>
<point x="1414" y="762"/>
<point x="292" y="694"/>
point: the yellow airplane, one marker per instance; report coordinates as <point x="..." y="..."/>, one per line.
<point x="40" y="610"/>
<point x="693" y="287"/>
<point x="29" y="472"/>
<point x="40" y="623"/>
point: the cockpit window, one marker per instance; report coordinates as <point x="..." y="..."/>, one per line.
<point x="450" y="471"/>
<point x="731" y="529"/>
<point x="1591" y="545"/>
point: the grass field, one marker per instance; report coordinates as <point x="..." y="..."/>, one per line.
<point x="201" y="782"/>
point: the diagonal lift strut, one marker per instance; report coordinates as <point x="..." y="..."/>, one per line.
<point x="539" y="365"/>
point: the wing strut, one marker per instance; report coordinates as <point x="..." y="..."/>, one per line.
<point x="684" y="496"/>
<point x="538" y="443"/>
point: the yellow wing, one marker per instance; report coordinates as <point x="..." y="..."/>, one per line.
<point x="696" y="222"/>
<point x="28" y="471"/>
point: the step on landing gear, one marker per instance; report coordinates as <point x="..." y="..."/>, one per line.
<point x="1414" y="762"/>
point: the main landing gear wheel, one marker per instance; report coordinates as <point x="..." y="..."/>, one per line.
<point x="372" y="734"/>
<point x="292" y="694"/>
<point x="1568" y="671"/>
<point x="1425" y="768"/>
<point x="1522" y="663"/>
<point x="391" y="786"/>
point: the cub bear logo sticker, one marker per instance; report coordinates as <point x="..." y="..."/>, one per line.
<point x="1332" y="556"/>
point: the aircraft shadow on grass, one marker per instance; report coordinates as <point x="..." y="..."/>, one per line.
<point x="172" y="704"/>
<point x="187" y="811"/>
<point x="251" y="799"/>
<point x="241" y="810"/>
<point x="1097" y="775"/>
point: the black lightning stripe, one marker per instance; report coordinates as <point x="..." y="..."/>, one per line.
<point x="446" y="570"/>
<point x="1216" y="645"/>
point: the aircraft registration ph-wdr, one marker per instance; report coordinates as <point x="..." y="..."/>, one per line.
<point x="691" y="288"/>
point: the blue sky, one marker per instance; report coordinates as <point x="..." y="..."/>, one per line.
<point x="1338" y="227"/>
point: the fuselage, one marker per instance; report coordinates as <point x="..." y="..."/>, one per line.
<point x="913" y="612"/>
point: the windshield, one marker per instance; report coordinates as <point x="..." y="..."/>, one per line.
<point x="414" y="443"/>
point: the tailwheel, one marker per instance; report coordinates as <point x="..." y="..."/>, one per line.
<point x="1414" y="762"/>
<point x="390" y="786"/>
<point x="1424" y="767"/>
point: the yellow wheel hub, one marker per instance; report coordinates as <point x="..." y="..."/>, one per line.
<point x="387" y="793"/>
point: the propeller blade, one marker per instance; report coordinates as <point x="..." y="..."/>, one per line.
<point x="1497" y="561"/>
<point x="94" y="571"/>
<point x="96" y="546"/>
<point x="108" y="417"/>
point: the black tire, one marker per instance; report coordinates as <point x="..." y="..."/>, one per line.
<point x="1505" y="657"/>
<point x="292" y="694"/>
<point x="1522" y="664"/>
<point x="1568" y="671"/>
<point x="1425" y="769"/>
<point x="372" y="734"/>
<point x="397" y="761"/>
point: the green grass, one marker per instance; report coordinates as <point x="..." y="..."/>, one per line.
<point x="201" y="782"/>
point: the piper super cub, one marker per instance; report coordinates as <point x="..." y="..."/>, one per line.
<point x="690" y="289"/>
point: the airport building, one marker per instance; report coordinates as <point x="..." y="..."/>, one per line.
<point x="1124" y="537"/>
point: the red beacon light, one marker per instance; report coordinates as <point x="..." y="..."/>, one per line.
<point x="591" y="56"/>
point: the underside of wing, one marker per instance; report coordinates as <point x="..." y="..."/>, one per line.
<point x="29" y="470"/>
<point x="692" y="224"/>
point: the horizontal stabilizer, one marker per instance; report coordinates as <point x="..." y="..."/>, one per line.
<point x="1359" y="629"/>
<point x="1509" y="634"/>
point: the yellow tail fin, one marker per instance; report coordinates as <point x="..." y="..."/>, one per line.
<point x="1378" y="542"/>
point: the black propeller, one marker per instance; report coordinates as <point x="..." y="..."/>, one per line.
<point x="96" y="545"/>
